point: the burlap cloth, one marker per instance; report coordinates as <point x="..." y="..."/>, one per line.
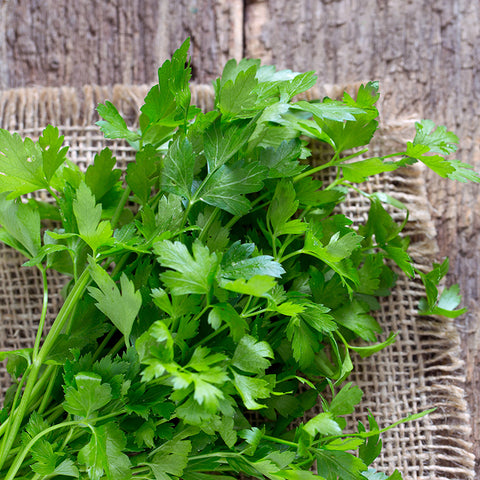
<point x="421" y="370"/>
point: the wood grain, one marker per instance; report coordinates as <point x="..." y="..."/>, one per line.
<point x="65" y="42"/>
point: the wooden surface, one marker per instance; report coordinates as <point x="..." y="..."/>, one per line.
<point x="424" y="53"/>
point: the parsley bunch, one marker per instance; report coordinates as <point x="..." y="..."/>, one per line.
<point x="215" y="291"/>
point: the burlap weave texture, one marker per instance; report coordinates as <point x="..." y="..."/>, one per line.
<point x="421" y="370"/>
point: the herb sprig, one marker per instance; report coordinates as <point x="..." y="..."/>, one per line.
<point x="211" y="281"/>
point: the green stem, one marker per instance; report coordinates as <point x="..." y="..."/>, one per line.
<point x="48" y="392"/>
<point x="281" y="441"/>
<point x="21" y="457"/>
<point x="56" y="329"/>
<point x="117" y="347"/>
<point x="34" y="368"/>
<point x="64" y="313"/>
<point x="15" y="400"/>
<point x="290" y="255"/>
<point x="314" y="170"/>
<point x="288" y="240"/>
<point x="353" y="155"/>
<point x="100" y="348"/>
<point x="205" y="340"/>
<point x="187" y="211"/>
<point x="44" y="379"/>
<point x="210" y="220"/>
<point x="236" y="218"/>
<point x="119" y="209"/>
<point x="253" y="314"/>
<point x="43" y="315"/>
<point x="54" y="195"/>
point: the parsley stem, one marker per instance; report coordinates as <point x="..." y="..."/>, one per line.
<point x="119" y="209"/>
<point x="54" y="195"/>
<point x="15" y="400"/>
<point x="100" y="348"/>
<point x="281" y="441"/>
<point x="209" y="337"/>
<point x="47" y="395"/>
<point x="33" y="370"/>
<point x="43" y="315"/>
<point x="253" y="314"/>
<point x="19" y="459"/>
<point x="64" y="313"/>
<point x="290" y="255"/>
<point x="236" y="218"/>
<point x="38" y="360"/>
<point x="330" y="163"/>
<point x="116" y="348"/>
<point x="207" y="226"/>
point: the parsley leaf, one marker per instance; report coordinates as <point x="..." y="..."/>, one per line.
<point x="192" y="273"/>
<point x="120" y="306"/>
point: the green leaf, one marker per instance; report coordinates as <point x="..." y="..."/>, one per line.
<point x="227" y="431"/>
<point x="333" y="464"/>
<point x="120" y="306"/>
<point x="178" y="167"/>
<point x="335" y="253"/>
<point x="103" y="454"/>
<point x="143" y="172"/>
<point x="237" y="264"/>
<point x="463" y="172"/>
<point x="437" y="139"/>
<point x="372" y="474"/>
<point x="444" y="304"/>
<point x="372" y="448"/>
<point x="94" y="232"/>
<point x="355" y="317"/>
<point x="282" y="161"/>
<point x="21" y="221"/>
<point x="53" y="155"/>
<point x="345" y="400"/>
<point x="221" y="142"/>
<point x="252" y="355"/>
<point x="237" y="98"/>
<point x="93" y="454"/>
<point x="21" y="165"/>
<point x="226" y="187"/>
<point x="224" y="313"/>
<point x="358" y="172"/>
<point x="401" y="258"/>
<point x="316" y="316"/>
<point x="329" y="110"/>
<point x="324" y="424"/>
<point x="305" y="342"/>
<point x="167" y="102"/>
<point x="252" y="389"/>
<point x="297" y="475"/>
<point x="89" y="396"/>
<point x="113" y="125"/>
<point x="171" y="459"/>
<point x="369" y="350"/>
<point x="17" y="361"/>
<point x="282" y="207"/>
<point x="257" y="286"/>
<point x="101" y="176"/>
<point x="192" y="273"/>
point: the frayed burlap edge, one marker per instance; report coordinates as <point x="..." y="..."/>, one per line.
<point x="444" y="437"/>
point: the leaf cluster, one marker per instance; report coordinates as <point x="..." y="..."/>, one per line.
<point x="215" y="293"/>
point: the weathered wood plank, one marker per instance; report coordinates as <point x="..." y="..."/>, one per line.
<point x="425" y="55"/>
<point x="60" y="42"/>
